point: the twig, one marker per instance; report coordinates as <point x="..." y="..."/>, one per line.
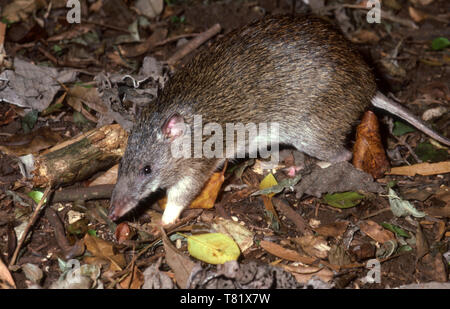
<point x="30" y="224"/>
<point x="194" y="43"/>
<point x="176" y="38"/>
<point x="88" y="193"/>
<point x="376" y="213"/>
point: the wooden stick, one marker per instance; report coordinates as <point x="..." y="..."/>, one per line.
<point x="30" y="224"/>
<point x="194" y="43"/>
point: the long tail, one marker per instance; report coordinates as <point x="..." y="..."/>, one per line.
<point x="381" y="101"/>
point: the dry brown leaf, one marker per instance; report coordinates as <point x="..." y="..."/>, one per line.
<point x="8" y="117"/>
<point x="123" y="232"/>
<point x="208" y="196"/>
<point x="422" y="246"/>
<point x="314" y="245"/>
<point x="102" y="251"/>
<point x="368" y="152"/>
<point x="33" y="142"/>
<point x="439" y="211"/>
<point x="417" y="15"/>
<point x="304" y="274"/>
<point x="334" y="229"/>
<point x="376" y="231"/>
<point x="6" y="280"/>
<point x="424" y="169"/>
<point x="181" y="265"/>
<point x="364" y="36"/>
<point x="134" y="280"/>
<point x="286" y="254"/>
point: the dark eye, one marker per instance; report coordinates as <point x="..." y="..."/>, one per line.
<point x="147" y="169"/>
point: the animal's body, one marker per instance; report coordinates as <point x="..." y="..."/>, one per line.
<point x="298" y="72"/>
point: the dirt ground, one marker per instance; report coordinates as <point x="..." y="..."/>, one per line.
<point x="399" y="49"/>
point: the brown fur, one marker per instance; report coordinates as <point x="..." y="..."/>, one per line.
<point x="299" y="72"/>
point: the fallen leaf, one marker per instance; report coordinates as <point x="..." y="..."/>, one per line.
<point x="303" y="274"/>
<point x="313" y="245"/>
<point x="286" y="254"/>
<point x="395" y="229"/>
<point x="134" y="280"/>
<point x="6" y="280"/>
<point x="150" y="8"/>
<point x="181" y="265"/>
<point x="401" y="207"/>
<point x="338" y="255"/>
<point x="416" y="14"/>
<point x="20" y="9"/>
<point x="213" y="248"/>
<point x="424" y="169"/>
<point x="440" y="43"/>
<point x="368" y="151"/>
<point x="362" y="252"/>
<point x="335" y="229"/>
<point x="32" y="142"/>
<point x="376" y="231"/>
<point x="102" y="251"/>
<point x="428" y="153"/>
<point x="241" y="235"/>
<point x="343" y="200"/>
<point x="401" y="128"/>
<point x="123" y="232"/>
<point x="364" y="36"/>
<point x="8" y="117"/>
<point x="207" y="196"/>
<point x="268" y="182"/>
<point x="422" y="245"/>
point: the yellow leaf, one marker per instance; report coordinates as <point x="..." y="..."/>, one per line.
<point x="213" y="248"/>
<point x="267" y="182"/>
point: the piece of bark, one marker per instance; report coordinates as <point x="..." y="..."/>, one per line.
<point x="80" y="157"/>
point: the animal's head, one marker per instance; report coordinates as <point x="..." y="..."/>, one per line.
<point x="151" y="161"/>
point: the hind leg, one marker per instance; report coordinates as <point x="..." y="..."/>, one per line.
<point x="329" y="153"/>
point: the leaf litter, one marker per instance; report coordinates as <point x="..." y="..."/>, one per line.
<point x="325" y="241"/>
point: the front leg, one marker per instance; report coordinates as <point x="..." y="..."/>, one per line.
<point x="179" y="197"/>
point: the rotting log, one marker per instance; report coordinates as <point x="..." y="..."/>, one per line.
<point x="81" y="157"/>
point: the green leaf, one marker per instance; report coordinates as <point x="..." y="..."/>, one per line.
<point x="92" y="232"/>
<point x="213" y="248"/>
<point x="440" y="43"/>
<point x="344" y="199"/>
<point x="395" y="229"/>
<point x="401" y="128"/>
<point x="29" y="120"/>
<point x="79" y="119"/>
<point x="57" y="49"/>
<point x="428" y="153"/>
<point x="36" y="195"/>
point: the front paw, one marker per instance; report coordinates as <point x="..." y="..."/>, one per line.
<point x="171" y="214"/>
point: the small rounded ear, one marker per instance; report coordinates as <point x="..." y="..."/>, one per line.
<point x="173" y="127"/>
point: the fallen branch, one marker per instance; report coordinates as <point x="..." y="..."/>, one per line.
<point x="194" y="43"/>
<point x="80" y="157"/>
<point x="30" y="224"/>
<point x="85" y="194"/>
